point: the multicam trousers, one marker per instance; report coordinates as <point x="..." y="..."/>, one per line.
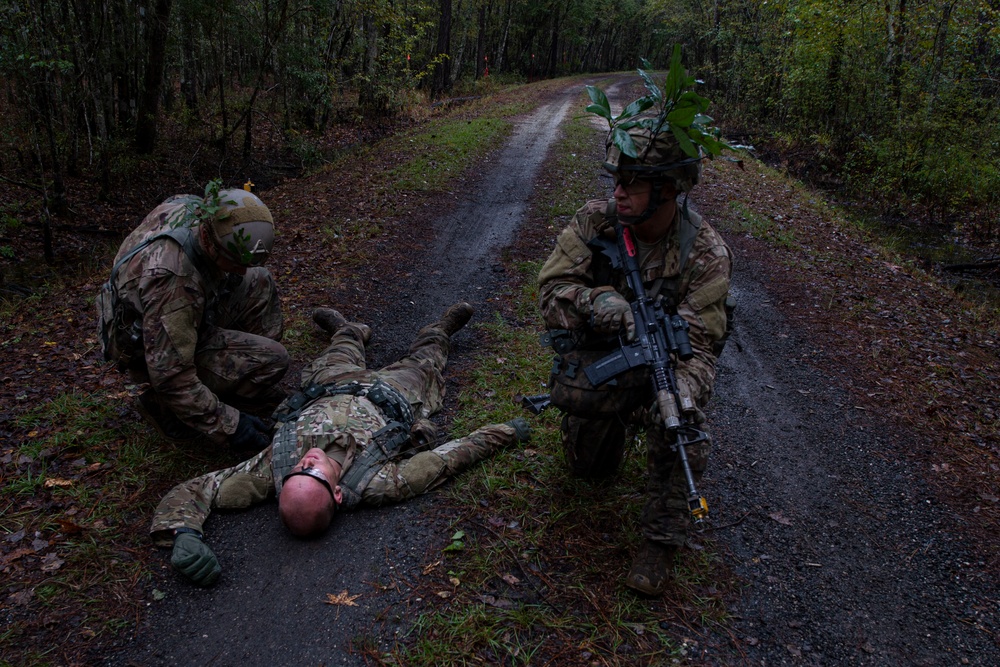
<point x="594" y="449"/>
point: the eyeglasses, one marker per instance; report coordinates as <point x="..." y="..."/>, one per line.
<point x="315" y="474"/>
<point x="627" y="179"/>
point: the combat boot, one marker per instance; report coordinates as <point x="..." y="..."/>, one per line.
<point x="163" y="421"/>
<point x="331" y="321"/>
<point x="651" y="568"/>
<point x="456" y="317"/>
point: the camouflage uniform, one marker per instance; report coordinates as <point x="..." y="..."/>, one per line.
<point x="206" y="333"/>
<point x="594" y="447"/>
<point x="343" y="426"/>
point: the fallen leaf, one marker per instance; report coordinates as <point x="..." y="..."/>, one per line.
<point x="68" y="527"/>
<point x="342" y="599"/>
<point x="14" y="555"/>
<point x="455" y="581"/>
<point x="444" y="594"/>
<point x="21" y="598"/>
<point x="511" y="579"/>
<point x="15" y="537"/>
<point x="57" y="481"/>
<point x="780" y="518"/>
<point x="430" y="568"/>
<point x="51" y="563"/>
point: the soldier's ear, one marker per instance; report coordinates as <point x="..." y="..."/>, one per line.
<point x="338" y="495"/>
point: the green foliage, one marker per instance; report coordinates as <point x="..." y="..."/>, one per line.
<point x="678" y="110"/>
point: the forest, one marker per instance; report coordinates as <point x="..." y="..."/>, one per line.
<point x="361" y="124"/>
<point x="894" y="103"/>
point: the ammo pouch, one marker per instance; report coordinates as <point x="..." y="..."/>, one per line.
<point x="572" y="392"/>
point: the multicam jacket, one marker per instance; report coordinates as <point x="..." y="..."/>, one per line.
<point x="698" y="289"/>
<point x="163" y="286"/>
<point x="343" y="426"/>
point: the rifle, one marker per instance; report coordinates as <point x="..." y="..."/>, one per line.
<point x="660" y="338"/>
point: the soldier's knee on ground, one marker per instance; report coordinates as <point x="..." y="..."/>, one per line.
<point x="593" y="448"/>
<point x="422" y="471"/>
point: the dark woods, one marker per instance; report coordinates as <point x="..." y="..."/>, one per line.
<point x="894" y="101"/>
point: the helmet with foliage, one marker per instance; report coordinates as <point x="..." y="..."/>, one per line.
<point x="661" y="136"/>
<point x="242" y="228"/>
<point x="658" y="158"/>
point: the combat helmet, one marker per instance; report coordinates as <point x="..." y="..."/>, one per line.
<point x="243" y="228"/>
<point x="659" y="157"/>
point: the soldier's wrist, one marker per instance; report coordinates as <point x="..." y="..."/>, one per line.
<point x="184" y="529"/>
<point x="598" y="291"/>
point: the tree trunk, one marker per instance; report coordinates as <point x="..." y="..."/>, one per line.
<point x="441" y="82"/>
<point x="145" y="129"/>
<point x="481" y="43"/>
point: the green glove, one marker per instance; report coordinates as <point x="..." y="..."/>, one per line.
<point x="521" y="428"/>
<point x="193" y="559"/>
<point x="611" y="313"/>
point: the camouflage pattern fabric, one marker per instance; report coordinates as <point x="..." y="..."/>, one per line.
<point x="594" y="447"/>
<point x="206" y="334"/>
<point x="342" y="425"/>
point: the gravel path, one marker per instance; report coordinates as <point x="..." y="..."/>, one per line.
<point x="845" y="556"/>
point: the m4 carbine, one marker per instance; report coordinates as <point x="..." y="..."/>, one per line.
<point x="661" y="339"/>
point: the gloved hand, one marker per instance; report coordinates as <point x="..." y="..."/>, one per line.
<point x="611" y="313"/>
<point x="192" y="558"/>
<point x="521" y="428"/>
<point x="685" y="393"/>
<point x="251" y="433"/>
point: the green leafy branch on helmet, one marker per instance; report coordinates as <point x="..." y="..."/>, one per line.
<point x="209" y="208"/>
<point x="240" y="247"/>
<point x="678" y="110"/>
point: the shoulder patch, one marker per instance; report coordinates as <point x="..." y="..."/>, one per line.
<point x="708" y="294"/>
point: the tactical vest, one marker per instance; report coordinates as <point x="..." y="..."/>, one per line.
<point x="387" y="443"/>
<point x="119" y="326"/>
<point x="687" y="232"/>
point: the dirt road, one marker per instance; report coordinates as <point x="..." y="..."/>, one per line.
<point x="844" y="557"/>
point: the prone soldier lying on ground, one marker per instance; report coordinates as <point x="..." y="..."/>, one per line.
<point x="340" y="443"/>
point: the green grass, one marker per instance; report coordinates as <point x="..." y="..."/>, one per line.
<point x="545" y="554"/>
<point x="745" y="219"/>
<point x="445" y="150"/>
<point x="76" y="483"/>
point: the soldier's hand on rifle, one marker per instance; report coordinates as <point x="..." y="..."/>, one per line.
<point x="192" y="558"/>
<point x="611" y="312"/>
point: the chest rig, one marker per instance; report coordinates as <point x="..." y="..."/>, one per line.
<point x="387" y="443"/>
